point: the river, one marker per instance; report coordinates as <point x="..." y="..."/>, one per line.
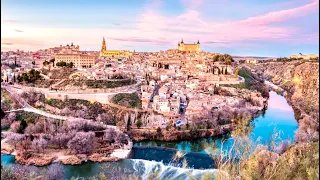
<point x="155" y="156"/>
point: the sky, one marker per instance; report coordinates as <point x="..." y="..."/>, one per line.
<point x="268" y="28"/>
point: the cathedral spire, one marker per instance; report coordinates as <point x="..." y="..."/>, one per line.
<point x="104" y="47"/>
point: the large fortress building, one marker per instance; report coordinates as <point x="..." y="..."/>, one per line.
<point x="189" y="47"/>
<point x="113" y="53"/>
<point x="72" y="54"/>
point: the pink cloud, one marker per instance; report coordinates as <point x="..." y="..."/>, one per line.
<point x="284" y="15"/>
<point x="192" y="4"/>
<point x="137" y="39"/>
<point x="190" y="24"/>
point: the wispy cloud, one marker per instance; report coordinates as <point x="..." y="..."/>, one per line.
<point x="17" y="30"/>
<point x="138" y="39"/>
<point x="7" y="43"/>
<point x="11" y="21"/>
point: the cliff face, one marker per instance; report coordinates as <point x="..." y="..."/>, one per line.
<point x="300" y="79"/>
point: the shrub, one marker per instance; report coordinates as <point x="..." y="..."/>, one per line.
<point x="85" y="125"/>
<point x="55" y="172"/>
<point x="82" y="143"/>
<point x="12" y="116"/>
<point x="139" y="123"/>
<point x="39" y="144"/>
<point x="14" y="138"/>
<point x="61" y="139"/>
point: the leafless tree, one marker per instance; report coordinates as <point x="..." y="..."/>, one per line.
<point x="61" y="139"/>
<point x="34" y="128"/>
<point x="85" y="125"/>
<point x="14" y="138"/>
<point x="82" y="143"/>
<point x="66" y="111"/>
<point x="55" y="172"/>
<point x="39" y="144"/>
<point x="14" y="127"/>
<point x="12" y="116"/>
<point x="122" y="139"/>
<point x="80" y="114"/>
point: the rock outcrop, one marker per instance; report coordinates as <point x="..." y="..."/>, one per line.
<point x="300" y="80"/>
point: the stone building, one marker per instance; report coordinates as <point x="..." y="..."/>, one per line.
<point x="78" y="59"/>
<point x="71" y="53"/>
<point x="189" y="47"/>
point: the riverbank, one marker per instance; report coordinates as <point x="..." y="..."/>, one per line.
<point x="64" y="156"/>
<point x="177" y="135"/>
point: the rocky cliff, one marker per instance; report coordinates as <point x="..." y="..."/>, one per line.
<point x="300" y="79"/>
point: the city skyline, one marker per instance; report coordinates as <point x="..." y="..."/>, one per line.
<point x="246" y="28"/>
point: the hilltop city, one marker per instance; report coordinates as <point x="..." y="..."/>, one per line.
<point x="67" y="105"/>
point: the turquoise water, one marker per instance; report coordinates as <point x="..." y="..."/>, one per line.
<point x="279" y="117"/>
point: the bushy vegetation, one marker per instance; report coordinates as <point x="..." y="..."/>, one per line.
<point x="8" y="102"/>
<point x="226" y="58"/>
<point x="29" y="77"/>
<point x="64" y="64"/>
<point x="108" y="84"/>
<point x="252" y="82"/>
<point x="127" y="100"/>
<point x="31" y="97"/>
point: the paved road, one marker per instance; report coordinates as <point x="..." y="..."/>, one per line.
<point x="130" y="89"/>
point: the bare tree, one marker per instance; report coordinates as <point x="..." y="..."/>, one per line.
<point x="34" y="128"/>
<point x="14" y="138"/>
<point x="80" y="114"/>
<point x="55" y="172"/>
<point x="82" y="143"/>
<point x="12" y="116"/>
<point x="61" y="139"/>
<point x="85" y="125"/>
<point x="66" y="111"/>
<point x="110" y="135"/>
<point x="39" y="144"/>
<point x="122" y="139"/>
<point x="105" y="118"/>
<point x="14" y="127"/>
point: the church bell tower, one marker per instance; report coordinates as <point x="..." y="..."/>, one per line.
<point x="104" y="47"/>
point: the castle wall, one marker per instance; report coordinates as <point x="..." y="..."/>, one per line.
<point x="189" y="47"/>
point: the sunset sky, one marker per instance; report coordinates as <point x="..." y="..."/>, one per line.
<point x="238" y="27"/>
